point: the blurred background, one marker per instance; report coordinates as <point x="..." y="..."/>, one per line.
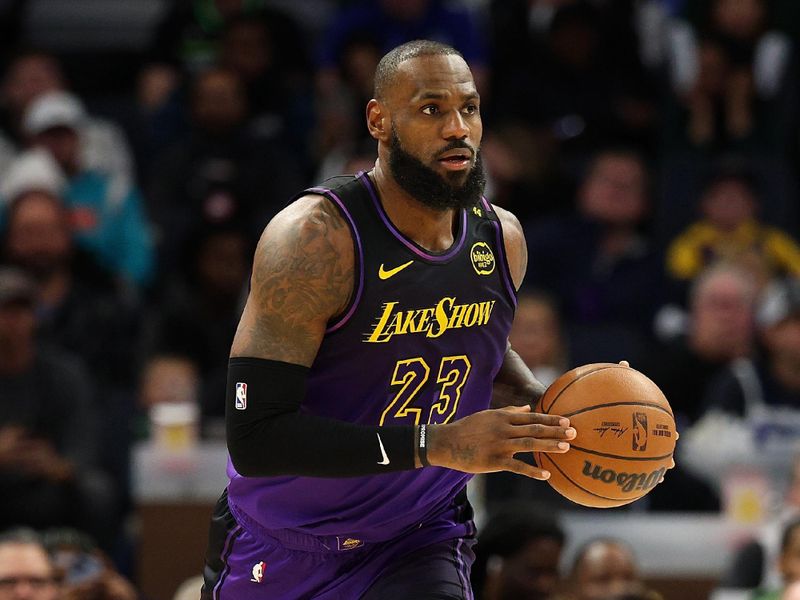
<point x="650" y="149"/>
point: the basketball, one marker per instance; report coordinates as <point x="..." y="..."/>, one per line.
<point x="625" y="435"/>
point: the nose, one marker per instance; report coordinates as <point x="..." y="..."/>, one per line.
<point x="455" y="127"/>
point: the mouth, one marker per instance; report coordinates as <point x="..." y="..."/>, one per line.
<point x="456" y="160"/>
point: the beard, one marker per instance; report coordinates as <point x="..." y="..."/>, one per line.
<point x="428" y="187"/>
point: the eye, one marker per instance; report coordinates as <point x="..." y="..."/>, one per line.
<point x="430" y="109"/>
<point x="471" y="109"/>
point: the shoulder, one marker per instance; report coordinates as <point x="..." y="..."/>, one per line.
<point x="309" y="245"/>
<point x="514" y="241"/>
<point x="310" y="216"/>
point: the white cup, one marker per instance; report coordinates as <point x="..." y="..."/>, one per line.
<point x="175" y="425"/>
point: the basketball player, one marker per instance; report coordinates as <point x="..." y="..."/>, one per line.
<point x="362" y="369"/>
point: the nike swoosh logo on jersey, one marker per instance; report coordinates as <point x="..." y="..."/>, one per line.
<point x="385" y="460"/>
<point x="385" y="274"/>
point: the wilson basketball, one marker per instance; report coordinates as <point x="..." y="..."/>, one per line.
<point x="625" y="435"/>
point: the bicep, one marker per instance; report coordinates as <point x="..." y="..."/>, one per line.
<point x="302" y="277"/>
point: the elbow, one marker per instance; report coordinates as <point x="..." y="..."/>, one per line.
<point x="249" y="463"/>
<point x="243" y="466"/>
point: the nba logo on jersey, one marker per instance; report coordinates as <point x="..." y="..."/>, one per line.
<point x="241" y="396"/>
<point x="258" y="572"/>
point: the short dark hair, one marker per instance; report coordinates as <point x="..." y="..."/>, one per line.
<point x="387" y="67"/>
<point x="732" y="168"/>
<point x="508" y="529"/>
<point x="21" y="535"/>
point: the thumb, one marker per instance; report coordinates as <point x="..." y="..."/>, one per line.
<point x="520" y="409"/>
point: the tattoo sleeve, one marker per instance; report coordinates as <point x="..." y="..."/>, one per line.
<point x="302" y="277"/>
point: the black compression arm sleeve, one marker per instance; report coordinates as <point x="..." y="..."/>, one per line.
<point x="268" y="435"/>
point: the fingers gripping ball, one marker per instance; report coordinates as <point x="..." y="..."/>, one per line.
<point x="626" y="435"/>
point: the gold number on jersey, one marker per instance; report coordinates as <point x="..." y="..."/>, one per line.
<point x="411" y="375"/>
<point x="453" y="373"/>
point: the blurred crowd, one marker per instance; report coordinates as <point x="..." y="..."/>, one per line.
<point x="650" y="149"/>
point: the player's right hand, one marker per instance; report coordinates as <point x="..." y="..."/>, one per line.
<point x="487" y="441"/>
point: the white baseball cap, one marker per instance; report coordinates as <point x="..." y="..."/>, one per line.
<point x="33" y="170"/>
<point x="54" y="109"/>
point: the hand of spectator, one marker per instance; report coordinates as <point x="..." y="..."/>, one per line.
<point x="11" y="437"/>
<point x="39" y="458"/>
<point x="108" y="586"/>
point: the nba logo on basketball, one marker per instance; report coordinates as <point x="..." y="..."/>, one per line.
<point x="639" y="431"/>
<point x="241" y="396"/>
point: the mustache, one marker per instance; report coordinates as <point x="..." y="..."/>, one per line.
<point x="457" y="145"/>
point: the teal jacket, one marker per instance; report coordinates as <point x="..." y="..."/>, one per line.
<point x="109" y="221"/>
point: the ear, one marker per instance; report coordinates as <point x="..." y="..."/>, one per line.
<point x="378" y="121"/>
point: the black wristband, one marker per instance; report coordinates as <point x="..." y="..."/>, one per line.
<point x="422" y="446"/>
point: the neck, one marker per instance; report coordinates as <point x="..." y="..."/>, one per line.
<point x="430" y="228"/>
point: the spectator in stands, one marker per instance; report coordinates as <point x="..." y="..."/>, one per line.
<point x="729" y="229"/>
<point x="88" y="573"/>
<point x="788" y="561"/>
<point x="79" y="306"/>
<point x="730" y="77"/>
<point x="756" y="564"/>
<point x="720" y="336"/>
<point x="585" y="87"/>
<point x="720" y="330"/>
<point x="187" y="37"/>
<point x="392" y="22"/>
<point x="48" y="428"/>
<point x="518" y="553"/>
<point x="599" y="264"/>
<point x="106" y="212"/>
<point x="26" y="570"/>
<point x="775" y="380"/>
<point x="192" y="329"/>
<point x="222" y="169"/>
<point x="356" y="39"/>
<point x="538" y="336"/>
<point x="606" y="569"/>
<point x="267" y="52"/>
<point x="526" y="171"/>
<point x="262" y="44"/>
<point x="752" y="408"/>
<point x="34" y="73"/>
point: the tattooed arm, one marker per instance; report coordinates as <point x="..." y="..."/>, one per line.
<point x="302" y="276"/>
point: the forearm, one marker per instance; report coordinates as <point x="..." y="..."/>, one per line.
<point x="268" y="435"/>
<point x="515" y="384"/>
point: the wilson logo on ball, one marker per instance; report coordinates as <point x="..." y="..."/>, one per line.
<point x="627" y="482"/>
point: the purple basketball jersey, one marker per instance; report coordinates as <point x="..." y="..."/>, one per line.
<point x="421" y="342"/>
